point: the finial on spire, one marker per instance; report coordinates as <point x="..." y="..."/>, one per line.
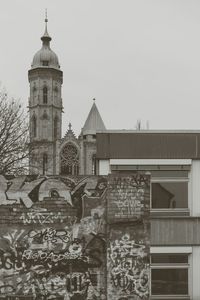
<point x="46" y="19"/>
<point x="46" y="37"/>
<point x="94" y="99"/>
<point x="70" y="126"/>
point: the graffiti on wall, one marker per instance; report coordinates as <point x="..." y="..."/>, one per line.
<point x="55" y="245"/>
<point x="129" y="245"/>
<point x="129" y="197"/>
<point x="128" y="262"/>
<point x="57" y="240"/>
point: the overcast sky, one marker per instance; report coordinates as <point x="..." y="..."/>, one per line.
<point x="139" y="59"/>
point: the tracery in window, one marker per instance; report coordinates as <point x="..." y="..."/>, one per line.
<point x="69" y="160"/>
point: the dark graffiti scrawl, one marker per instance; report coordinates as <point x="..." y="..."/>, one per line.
<point x="57" y="240"/>
<point x="128" y="262"/>
<point x="128" y="245"/>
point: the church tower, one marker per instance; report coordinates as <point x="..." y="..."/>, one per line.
<point x="45" y="109"/>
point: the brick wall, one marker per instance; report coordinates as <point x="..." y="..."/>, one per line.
<point x="74" y="238"/>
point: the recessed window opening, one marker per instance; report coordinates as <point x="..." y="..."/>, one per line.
<point x="34" y="124"/>
<point x="45" y="94"/>
<point x="169" y="274"/>
<point x="45" y="63"/>
<point x="169" y="195"/>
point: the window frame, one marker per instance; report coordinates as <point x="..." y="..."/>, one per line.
<point x="163" y="266"/>
<point x="173" y="211"/>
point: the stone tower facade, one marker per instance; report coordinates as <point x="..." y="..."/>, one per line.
<point x="50" y="154"/>
<point x="45" y="109"/>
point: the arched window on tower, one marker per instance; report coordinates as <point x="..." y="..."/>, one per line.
<point x="69" y="160"/>
<point x="55" y="127"/>
<point x="34" y="94"/>
<point x="55" y="94"/>
<point x="44" y="163"/>
<point x="34" y="126"/>
<point x="45" y="95"/>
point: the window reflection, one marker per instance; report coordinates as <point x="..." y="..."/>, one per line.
<point x="169" y="281"/>
<point x="170" y="195"/>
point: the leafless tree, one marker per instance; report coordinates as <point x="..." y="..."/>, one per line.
<point x="14" y="146"/>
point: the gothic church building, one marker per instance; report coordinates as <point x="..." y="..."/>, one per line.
<point x="52" y="154"/>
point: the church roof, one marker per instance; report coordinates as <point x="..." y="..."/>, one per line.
<point x="93" y="122"/>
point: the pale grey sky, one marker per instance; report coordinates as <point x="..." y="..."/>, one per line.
<point x="139" y="58"/>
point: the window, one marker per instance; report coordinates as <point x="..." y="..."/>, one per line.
<point x="34" y="126"/>
<point x="169" y="194"/>
<point x="44" y="163"/>
<point x="169" y="190"/>
<point x="45" y="63"/>
<point x="69" y="160"/>
<point x="55" y="94"/>
<point x="45" y="95"/>
<point x="34" y="90"/>
<point x="55" y="128"/>
<point x="169" y="275"/>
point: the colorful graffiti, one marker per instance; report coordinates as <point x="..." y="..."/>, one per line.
<point x="57" y="241"/>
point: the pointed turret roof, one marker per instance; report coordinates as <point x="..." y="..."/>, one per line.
<point x="93" y="122"/>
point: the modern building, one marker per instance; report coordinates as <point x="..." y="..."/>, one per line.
<point x="52" y="154"/>
<point x="173" y="160"/>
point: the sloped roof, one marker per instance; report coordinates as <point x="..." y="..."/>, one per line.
<point x="93" y="122"/>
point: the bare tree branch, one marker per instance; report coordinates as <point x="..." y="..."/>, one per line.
<point x="14" y="136"/>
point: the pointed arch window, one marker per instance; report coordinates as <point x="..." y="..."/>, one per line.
<point x="34" y="126"/>
<point x="69" y="160"/>
<point x="55" y="94"/>
<point x="44" y="163"/>
<point x="34" y="90"/>
<point x="55" y="127"/>
<point x="45" y="95"/>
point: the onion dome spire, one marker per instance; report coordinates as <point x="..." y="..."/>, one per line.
<point x="46" y="38"/>
<point x="45" y="57"/>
